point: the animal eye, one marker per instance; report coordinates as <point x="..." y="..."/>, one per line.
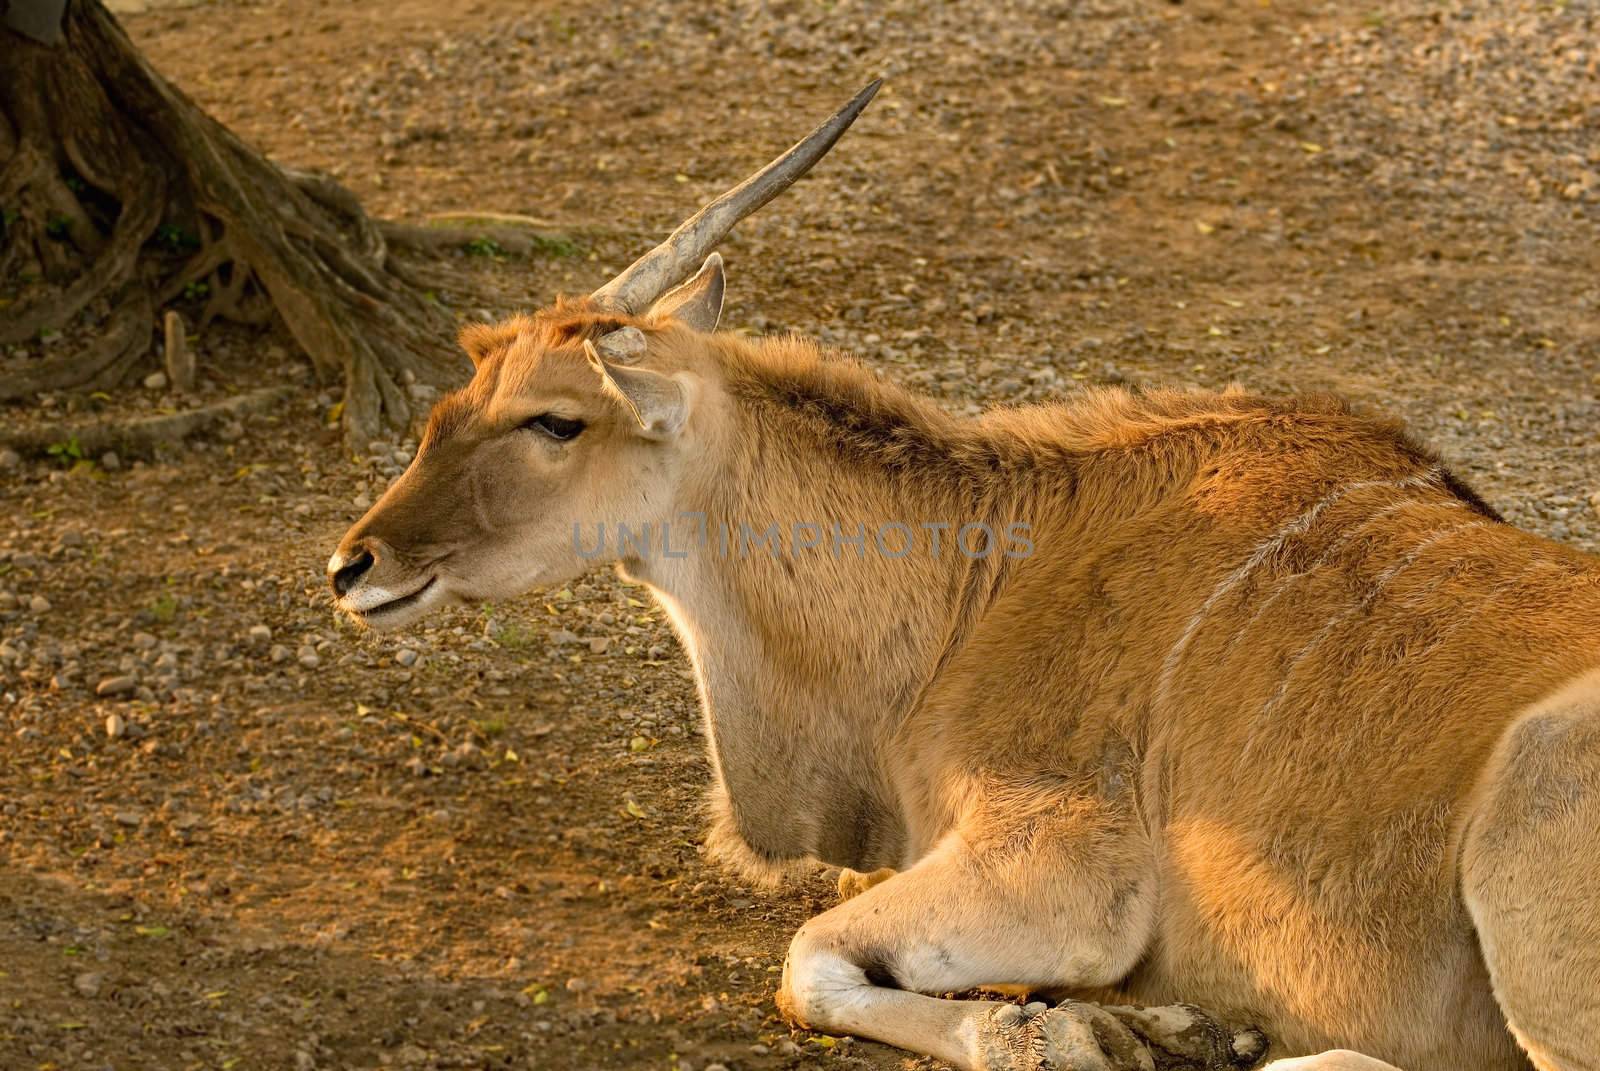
<point x="558" y="428"/>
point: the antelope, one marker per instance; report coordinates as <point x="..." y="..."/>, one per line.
<point x="1257" y="707"/>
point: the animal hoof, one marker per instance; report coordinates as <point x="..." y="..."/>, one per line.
<point x="1249" y="1047"/>
<point x="1184" y="1033"/>
<point x="1072" y="1037"/>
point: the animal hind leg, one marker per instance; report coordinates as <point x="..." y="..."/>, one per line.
<point x="1529" y="859"/>
<point x="1055" y="903"/>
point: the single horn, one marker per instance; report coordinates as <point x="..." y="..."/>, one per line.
<point x="675" y="259"/>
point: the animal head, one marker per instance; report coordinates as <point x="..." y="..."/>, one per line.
<point x="581" y="413"/>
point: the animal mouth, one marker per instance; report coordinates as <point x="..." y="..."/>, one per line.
<point x="404" y="602"/>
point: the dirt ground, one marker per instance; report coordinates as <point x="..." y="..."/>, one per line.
<point x="270" y="842"/>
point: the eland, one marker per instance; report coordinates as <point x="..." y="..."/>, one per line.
<point x="1247" y="705"/>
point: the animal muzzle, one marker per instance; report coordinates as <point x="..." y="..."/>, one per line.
<point x="371" y="584"/>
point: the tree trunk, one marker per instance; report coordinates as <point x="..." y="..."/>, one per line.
<point x="117" y="192"/>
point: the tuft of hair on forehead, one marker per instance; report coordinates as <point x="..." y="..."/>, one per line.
<point x="569" y="321"/>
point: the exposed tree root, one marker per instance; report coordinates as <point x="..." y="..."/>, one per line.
<point x="125" y="338"/>
<point x="108" y="175"/>
<point x="144" y="435"/>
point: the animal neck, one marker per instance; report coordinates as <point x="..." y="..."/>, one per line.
<point x="813" y="603"/>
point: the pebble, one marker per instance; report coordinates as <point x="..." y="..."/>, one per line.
<point x="116" y="726"/>
<point x="406" y="656"/>
<point x="260" y="635"/>
<point x="156" y="381"/>
<point x="307" y="656"/>
<point x="599" y="644"/>
<point x="143" y="641"/>
<point x="9" y="458"/>
<point x="130" y="819"/>
<point x="279" y="653"/>
<point x="110" y="461"/>
<point x="39" y="604"/>
<point x="115" y="686"/>
<point x="88" y="984"/>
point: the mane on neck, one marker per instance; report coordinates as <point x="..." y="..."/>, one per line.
<point x="796" y="387"/>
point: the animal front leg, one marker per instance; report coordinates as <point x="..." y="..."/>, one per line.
<point x="963" y="918"/>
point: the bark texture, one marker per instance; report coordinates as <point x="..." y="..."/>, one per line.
<point x="119" y="195"/>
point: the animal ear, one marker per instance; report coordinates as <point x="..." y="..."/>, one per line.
<point x="659" y="403"/>
<point x="698" y="302"/>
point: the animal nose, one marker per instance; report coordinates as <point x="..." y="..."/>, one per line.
<point x="346" y="573"/>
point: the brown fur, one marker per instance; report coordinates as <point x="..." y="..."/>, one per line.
<point x="1268" y="720"/>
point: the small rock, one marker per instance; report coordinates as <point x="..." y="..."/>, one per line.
<point x="88" y="984"/>
<point x="156" y="381"/>
<point x="110" y="461"/>
<point x="406" y="656"/>
<point x="279" y="653"/>
<point x="307" y="656"/>
<point x="143" y="641"/>
<point x="599" y="644"/>
<point x="656" y="653"/>
<point x="1594" y="503"/>
<point x="116" y="726"/>
<point x="9" y="458"/>
<point x="39" y="604"/>
<point x="115" y="686"/>
<point x="130" y="819"/>
<point x="260" y="635"/>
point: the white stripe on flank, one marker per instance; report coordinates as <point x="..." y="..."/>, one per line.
<point x="1366" y="600"/>
<point x="1271" y="545"/>
<point x="1339" y="544"/>
<point x="1499" y="589"/>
